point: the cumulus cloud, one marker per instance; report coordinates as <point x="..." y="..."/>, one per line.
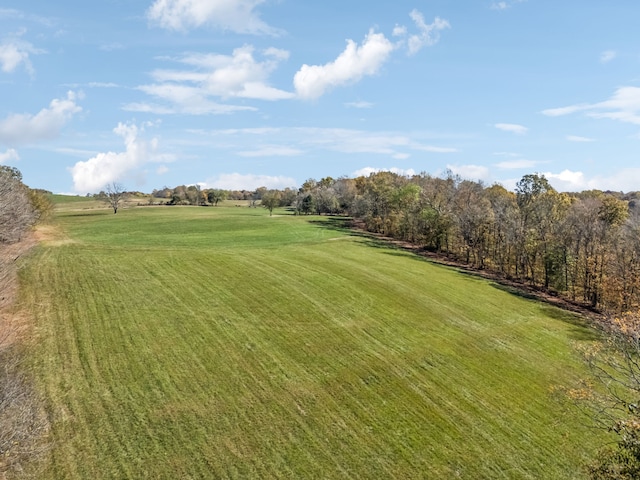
<point x="14" y="53"/>
<point x="8" y="156"/>
<point x="238" y="16"/>
<point x="190" y="91"/>
<point x="429" y="33"/>
<point x="354" y="63"/>
<point x="626" y="180"/>
<point x="623" y="105"/>
<point x="93" y="174"/>
<point x="512" y="127"/>
<point x="366" y="171"/>
<point x="26" y="128"/>
<point x="470" y="172"/>
<point x="238" y="181"/>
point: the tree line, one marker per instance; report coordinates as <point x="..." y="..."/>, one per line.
<point x="583" y="245"/>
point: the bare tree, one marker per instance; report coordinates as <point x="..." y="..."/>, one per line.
<point x="114" y="195"/>
<point x="614" y="402"/>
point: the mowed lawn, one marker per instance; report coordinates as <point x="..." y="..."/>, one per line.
<point x="186" y="342"/>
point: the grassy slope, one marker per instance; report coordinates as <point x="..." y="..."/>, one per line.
<point x="219" y="342"/>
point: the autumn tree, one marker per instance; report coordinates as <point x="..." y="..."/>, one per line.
<point x="473" y="214"/>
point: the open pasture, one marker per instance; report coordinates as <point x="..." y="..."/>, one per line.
<point x="185" y="342"/>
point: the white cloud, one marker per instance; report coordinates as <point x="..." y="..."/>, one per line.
<point x="74" y="152"/>
<point x="567" y="180"/>
<point x="182" y="99"/>
<point x="512" y="127"/>
<point x="503" y="5"/>
<point x="95" y="173"/>
<point x="432" y="149"/>
<point x="623" y="105"/>
<point x="358" y="141"/>
<point x="399" y="31"/>
<point x="359" y="104"/>
<point x="507" y="154"/>
<point x="607" y="56"/>
<point x="401" y="156"/>
<point x="300" y="139"/>
<point x="429" y="34"/>
<point x="354" y="63"/>
<point x="9" y="155"/>
<point x="626" y="180"/>
<point x="103" y="85"/>
<point x="162" y="169"/>
<point x="46" y="124"/>
<point x="516" y="164"/>
<point x="238" y="16"/>
<point x="470" y="172"/>
<point x="271" y="151"/>
<point x="576" y="138"/>
<point x="14" y="14"/>
<point x="14" y="53"/>
<point x="366" y="171"/>
<point x="558" y="112"/>
<point x="237" y="181"/>
<point x="238" y="75"/>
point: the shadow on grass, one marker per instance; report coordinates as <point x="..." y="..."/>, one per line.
<point x="580" y="328"/>
<point x="82" y="214"/>
<point x="558" y="310"/>
<point x="345" y="226"/>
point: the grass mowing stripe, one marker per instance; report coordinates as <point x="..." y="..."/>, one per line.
<point x="221" y="343"/>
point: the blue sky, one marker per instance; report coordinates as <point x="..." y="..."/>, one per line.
<point x="246" y="93"/>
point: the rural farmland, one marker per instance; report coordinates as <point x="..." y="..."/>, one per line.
<point x="221" y="342"/>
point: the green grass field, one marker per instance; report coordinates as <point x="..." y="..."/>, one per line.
<point x="185" y="342"/>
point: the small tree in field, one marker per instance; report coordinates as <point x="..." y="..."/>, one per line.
<point x="271" y="200"/>
<point x="215" y="196"/>
<point x="114" y="195"/>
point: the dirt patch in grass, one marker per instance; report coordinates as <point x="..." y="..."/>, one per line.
<point x="51" y="235"/>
